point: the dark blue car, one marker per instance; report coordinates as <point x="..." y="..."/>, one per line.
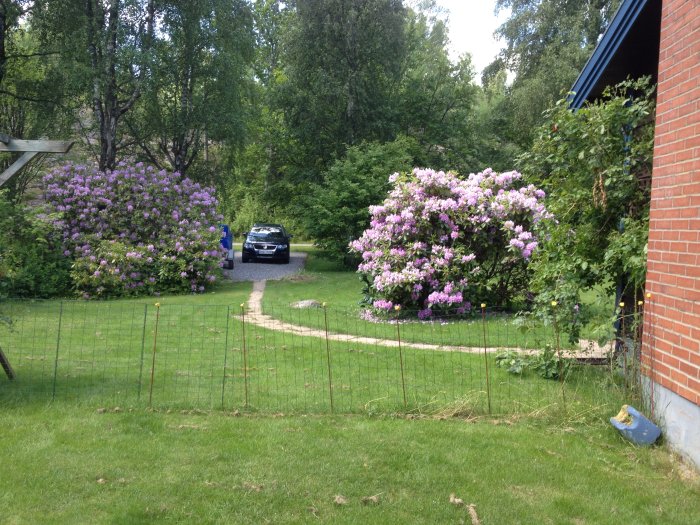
<point x="266" y="241"/>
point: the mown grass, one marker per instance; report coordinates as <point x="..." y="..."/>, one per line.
<point x="196" y="351"/>
<point x="71" y="464"/>
<point x="206" y="453"/>
<point x="100" y="348"/>
<point x="204" y="356"/>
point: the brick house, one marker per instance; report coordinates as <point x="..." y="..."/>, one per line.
<point x="662" y="38"/>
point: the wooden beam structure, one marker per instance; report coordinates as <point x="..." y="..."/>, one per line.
<point x="40" y="146"/>
<point x="31" y="149"/>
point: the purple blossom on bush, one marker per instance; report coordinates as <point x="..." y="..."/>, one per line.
<point x="439" y="241"/>
<point x="134" y="230"/>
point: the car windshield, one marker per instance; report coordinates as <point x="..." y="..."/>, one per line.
<point x="266" y="236"/>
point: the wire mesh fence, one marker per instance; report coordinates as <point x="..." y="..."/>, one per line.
<point x="284" y="359"/>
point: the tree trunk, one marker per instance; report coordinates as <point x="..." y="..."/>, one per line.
<point x="3" y="36"/>
<point x="103" y="47"/>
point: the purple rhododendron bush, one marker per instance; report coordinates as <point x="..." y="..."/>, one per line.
<point x="439" y="243"/>
<point x="134" y="230"/>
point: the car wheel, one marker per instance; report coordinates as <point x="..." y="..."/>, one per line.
<point x="286" y="260"/>
<point x="244" y="258"/>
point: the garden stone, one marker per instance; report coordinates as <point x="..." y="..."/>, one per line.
<point x="307" y="303"/>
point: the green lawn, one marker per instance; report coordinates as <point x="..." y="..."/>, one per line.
<point x="67" y="464"/>
<point x="195" y="351"/>
<point x="241" y="429"/>
<point x="205" y="357"/>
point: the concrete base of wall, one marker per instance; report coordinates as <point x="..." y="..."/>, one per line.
<point x="679" y="420"/>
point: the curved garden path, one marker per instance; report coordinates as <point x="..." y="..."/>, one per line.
<point x="255" y="315"/>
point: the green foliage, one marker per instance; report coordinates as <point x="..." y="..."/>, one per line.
<point x="365" y="71"/>
<point x="493" y="139"/>
<point x="546" y="363"/>
<point x="30" y="266"/>
<point x="113" y="259"/>
<point x="337" y="209"/>
<point x="342" y="62"/>
<point x="550" y="364"/>
<point x="104" y="58"/>
<point x="515" y="362"/>
<point x="595" y="165"/>
<point x="199" y="76"/>
<point x="251" y="210"/>
<point x="436" y="98"/>
<point x="547" y="44"/>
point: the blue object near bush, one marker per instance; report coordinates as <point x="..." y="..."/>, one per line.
<point x="227" y="244"/>
<point x="635" y="427"/>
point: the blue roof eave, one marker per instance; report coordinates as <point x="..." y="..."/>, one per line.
<point x="619" y="28"/>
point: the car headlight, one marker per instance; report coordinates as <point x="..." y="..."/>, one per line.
<point x="282" y="246"/>
<point x="247" y="245"/>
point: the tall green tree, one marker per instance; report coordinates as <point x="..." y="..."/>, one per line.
<point x="199" y="74"/>
<point x="11" y="11"/>
<point x="547" y="42"/>
<point x="436" y="97"/>
<point x="105" y="48"/>
<point x="336" y="210"/>
<point x="342" y="61"/>
<point x="29" y="100"/>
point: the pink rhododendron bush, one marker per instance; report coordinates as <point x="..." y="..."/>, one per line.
<point x="134" y="230"/>
<point x="440" y="243"/>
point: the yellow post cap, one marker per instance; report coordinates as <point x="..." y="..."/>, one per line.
<point x="483" y="305"/>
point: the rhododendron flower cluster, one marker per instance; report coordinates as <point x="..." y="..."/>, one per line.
<point x="439" y="242"/>
<point x="134" y="230"/>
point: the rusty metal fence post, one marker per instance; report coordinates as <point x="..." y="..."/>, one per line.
<point x="486" y="358"/>
<point x="153" y="361"/>
<point x="398" y="338"/>
<point x="245" y="356"/>
<point x="328" y="357"/>
<point x="58" y="344"/>
<point x="223" y="381"/>
<point x="143" y="348"/>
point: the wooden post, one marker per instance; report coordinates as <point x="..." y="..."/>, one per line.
<point x="6" y="365"/>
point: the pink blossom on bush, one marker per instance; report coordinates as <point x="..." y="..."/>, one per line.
<point x="439" y="241"/>
<point x="134" y="230"/>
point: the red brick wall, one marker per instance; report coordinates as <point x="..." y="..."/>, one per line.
<point x="671" y="344"/>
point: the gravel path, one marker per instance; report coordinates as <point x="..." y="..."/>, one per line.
<point x="263" y="271"/>
<point x="256" y="316"/>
